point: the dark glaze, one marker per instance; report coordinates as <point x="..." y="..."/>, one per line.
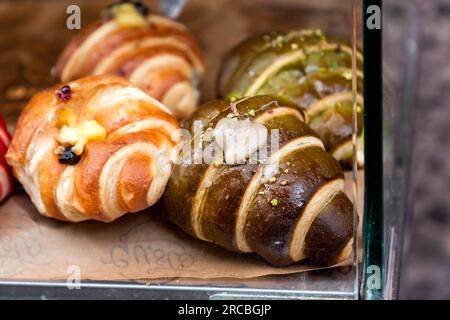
<point x="185" y="179"/>
<point x="269" y="228"/>
<point x="225" y="194"/>
<point x="331" y="231"/>
<point x="223" y="200"/>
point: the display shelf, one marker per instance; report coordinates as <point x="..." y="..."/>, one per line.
<point x="324" y="284"/>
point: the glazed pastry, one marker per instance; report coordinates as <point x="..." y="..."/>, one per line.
<point x="6" y="180"/>
<point x="311" y="69"/>
<point x="155" y="53"/>
<point x="286" y="206"/>
<point x="94" y="148"/>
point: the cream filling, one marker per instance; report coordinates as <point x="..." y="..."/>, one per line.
<point x="239" y="139"/>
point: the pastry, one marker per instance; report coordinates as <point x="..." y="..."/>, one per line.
<point x="155" y="53"/>
<point x="93" y="148"/>
<point x="6" y="180"/>
<point x="310" y="68"/>
<point x="281" y="198"/>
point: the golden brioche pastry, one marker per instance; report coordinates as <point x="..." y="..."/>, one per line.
<point x="155" y="53"/>
<point x="94" y="148"/>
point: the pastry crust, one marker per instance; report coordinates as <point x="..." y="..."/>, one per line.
<point x="125" y="172"/>
<point x="157" y="57"/>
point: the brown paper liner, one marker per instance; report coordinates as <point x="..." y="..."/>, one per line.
<point x="136" y="246"/>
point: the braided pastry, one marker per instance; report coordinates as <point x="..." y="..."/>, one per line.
<point x="155" y="53"/>
<point x="94" y="148"/>
<point x="6" y="181"/>
<point x="285" y="207"/>
<point x="309" y="68"/>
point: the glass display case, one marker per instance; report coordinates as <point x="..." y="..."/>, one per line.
<point x="34" y="33"/>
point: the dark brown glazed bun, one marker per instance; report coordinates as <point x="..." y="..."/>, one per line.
<point x="287" y="207"/>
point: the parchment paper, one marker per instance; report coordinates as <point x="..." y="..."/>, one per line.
<point x="136" y="246"/>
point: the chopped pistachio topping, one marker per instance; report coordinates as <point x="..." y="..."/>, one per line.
<point x="272" y="179"/>
<point x="274" y="202"/>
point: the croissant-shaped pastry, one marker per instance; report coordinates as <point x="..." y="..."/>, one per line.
<point x="311" y="69"/>
<point x="155" y="53"/>
<point x="285" y="207"/>
<point x="6" y="181"/>
<point x="94" y="148"/>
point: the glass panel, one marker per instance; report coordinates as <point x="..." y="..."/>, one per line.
<point x="400" y="34"/>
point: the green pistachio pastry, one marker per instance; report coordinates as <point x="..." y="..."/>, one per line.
<point x="309" y="68"/>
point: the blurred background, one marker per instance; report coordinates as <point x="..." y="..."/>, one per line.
<point x="426" y="265"/>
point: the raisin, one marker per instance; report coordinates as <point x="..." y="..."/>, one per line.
<point x="69" y="157"/>
<point x="64" y="93"/>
